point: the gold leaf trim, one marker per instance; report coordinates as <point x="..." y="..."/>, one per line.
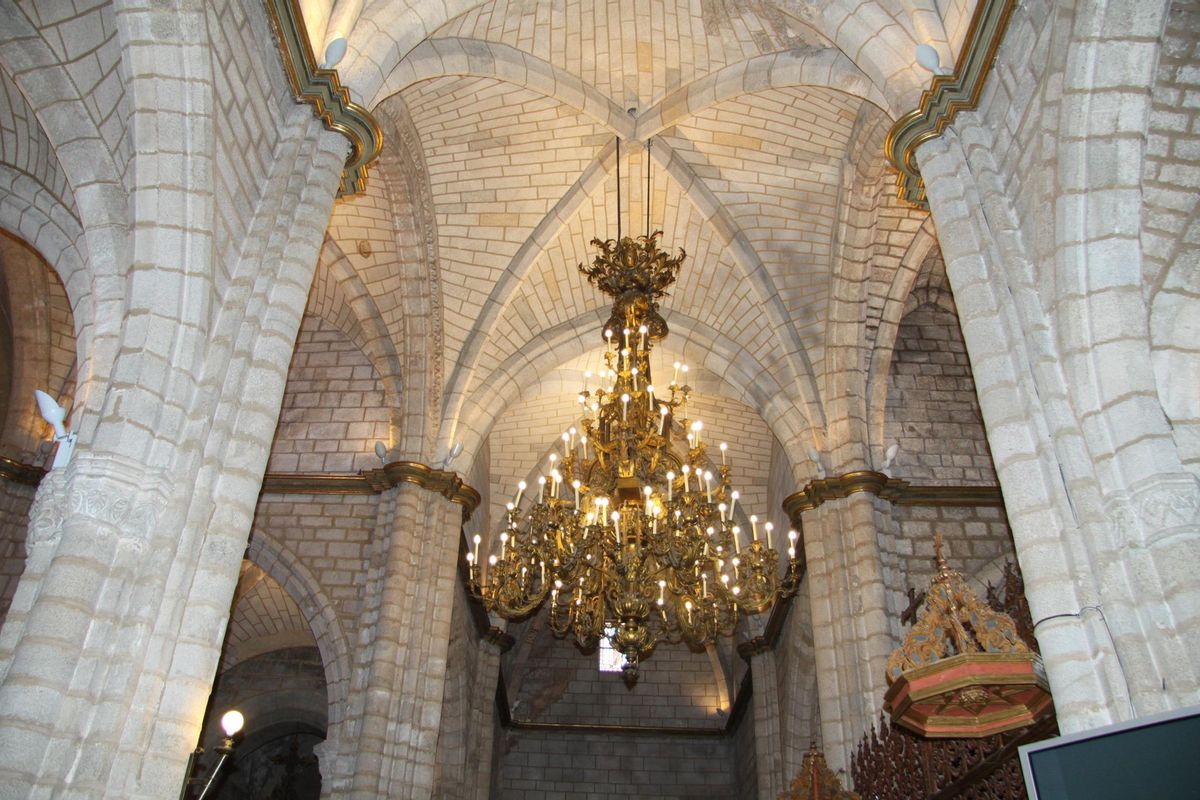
<point x="322" y="89"/>
<point x="946" y="96"/>
<point x="894" y="490"/>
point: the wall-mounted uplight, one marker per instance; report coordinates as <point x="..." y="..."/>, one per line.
<point x="55" y="414"/>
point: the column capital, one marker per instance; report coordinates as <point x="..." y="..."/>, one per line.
<point x="115" y="495"/>
<point x="900" y="492"/>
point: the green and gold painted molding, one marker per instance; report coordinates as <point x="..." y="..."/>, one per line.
<point x="324" y="91"/>
<point x="946" y="96"/>
<point x="901" y="493"/>
<point x="376" y="481"/>
<point x="16" y="472"/>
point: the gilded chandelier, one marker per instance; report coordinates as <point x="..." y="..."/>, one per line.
<point x="633" y="533"/>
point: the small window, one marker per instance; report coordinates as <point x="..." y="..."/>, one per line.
<point x="610" y="659"/>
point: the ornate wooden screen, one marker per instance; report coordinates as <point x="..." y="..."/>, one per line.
<point x="895" y="764"/>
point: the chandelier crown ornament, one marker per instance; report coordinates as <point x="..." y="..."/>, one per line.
<point x="633" y="529"/>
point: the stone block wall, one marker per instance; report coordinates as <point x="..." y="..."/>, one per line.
<point x="932" y="411"/>
<point x="329" y="534"/>
<point x="745" y="762"/>
<point x="333" y="407"/>
<point x="550" y="680"/>
<point x="551" y="765"/>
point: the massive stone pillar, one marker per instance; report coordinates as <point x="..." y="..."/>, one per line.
<point x="388" y="743"/>
<point x="109" y="648"/>
<point x="1105" y="518"/>
<point x="768" y="728"/>
<point x="852" y="632"/>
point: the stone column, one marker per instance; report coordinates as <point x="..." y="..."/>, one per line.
<point x="852" y="635"/>
<point x="389" y="740"/>
<point x="481" y="720"/>
<point x="1108" y="553"/>
<point x="768" y="728"/>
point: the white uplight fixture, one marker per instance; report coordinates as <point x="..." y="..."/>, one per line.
<point x="928" y="58"/>
<point x="55" y="414"/>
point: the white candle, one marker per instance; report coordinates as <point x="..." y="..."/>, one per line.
<point x="566" y="440"/>
<point x="686" y="470"/>
<point x="707" y="487"/>
<point x="583" y="441"/>
<point x="737" y="541"/>
<point x="662" y="591"/>
<point x="608" y="337"/>
<point x="662" y="420"/>
<point x="696" y="426"/>
<point x="616" y="520"/>
<point x="575" y="485"/>
<point x="754" y="526"/>
<point x="670" y="485"/>
<point x="722" y="508"/>
<point x="634" y="373"/>
<point x="541" y="488"/>
<point x="478" y="539"/>
<point x="624" y="407"/>
<point x="650" y="398"/>
<point x="643" y="330"/>
<point x="520" y="488"/>
<point x="503" y="541"/>
<point x="733" y="502"/>
<point x="675" y="375"/>
<point x="724" y="447"/>
<point x="625" y="335"/>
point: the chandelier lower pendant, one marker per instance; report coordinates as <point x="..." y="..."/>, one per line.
<point x="632" y="536"/>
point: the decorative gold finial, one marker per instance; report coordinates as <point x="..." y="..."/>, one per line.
<point x="963" y="670"/>
<point x="815" y="781"/>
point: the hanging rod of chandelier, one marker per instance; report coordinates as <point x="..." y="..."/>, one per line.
<point x="633" y="534"/>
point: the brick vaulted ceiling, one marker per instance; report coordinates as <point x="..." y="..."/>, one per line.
<point x="767" y="118"/>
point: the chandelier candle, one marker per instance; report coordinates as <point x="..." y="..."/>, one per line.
<point x="642" y="545"/>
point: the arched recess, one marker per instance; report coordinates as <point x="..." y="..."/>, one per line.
<point x="38" y="337"/>
<point x="364" y="324"/>
<point x="32" y="214"/>
<point x="894" y="307"/>
<point x="91" y="160"/>
<point x="287" y="569"/>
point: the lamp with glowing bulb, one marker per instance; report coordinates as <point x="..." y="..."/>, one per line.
<point x="632" y="534"/>
<point x="232" y="723"/>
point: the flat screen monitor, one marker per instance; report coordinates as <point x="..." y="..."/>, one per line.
<point x="1152" y="758"/>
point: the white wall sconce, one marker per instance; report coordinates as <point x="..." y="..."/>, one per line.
<point x="55" y="414"/>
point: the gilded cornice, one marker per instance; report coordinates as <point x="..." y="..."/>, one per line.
<point x="16" y="472"/>
<point x="376" y="481"/>
<point x="898" y="492"/>
<point x="946" y="96"/>
<point x="322" y="89"/>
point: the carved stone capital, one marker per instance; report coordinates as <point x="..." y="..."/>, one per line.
<point x="1153" y="512"/>
<point x="115" y="496"/>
